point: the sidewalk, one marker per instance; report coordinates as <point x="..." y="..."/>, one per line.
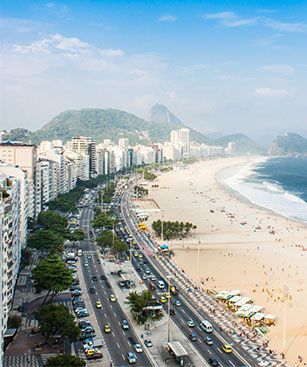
<point x="158" y="329"/>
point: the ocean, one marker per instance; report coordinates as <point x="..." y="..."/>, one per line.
<point x="278" y="184"/>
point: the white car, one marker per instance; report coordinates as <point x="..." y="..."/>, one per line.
<point x="86" y="265"/>
<point x="138" y="348"/>
<point x="190" y="323"/>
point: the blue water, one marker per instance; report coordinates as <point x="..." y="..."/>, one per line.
<point x="279" y="184"/>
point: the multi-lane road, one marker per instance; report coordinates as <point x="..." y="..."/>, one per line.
<point x="117" y="341"/>
<point x="236" y="359"/>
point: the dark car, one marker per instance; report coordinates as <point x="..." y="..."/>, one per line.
<point x="94" y="278"/>
<point x="103" y="277"/>
<point x="108" y="284"/>
<point x="213" y="362"/>
<point x="92" y="290"/>
<point x="193" y="337"/>
<point x="172" y="312"/>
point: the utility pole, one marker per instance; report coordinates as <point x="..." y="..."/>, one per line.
<point x="168" y="277"/>
<point x="286" y="295"/>
<point x="198" y="262"/>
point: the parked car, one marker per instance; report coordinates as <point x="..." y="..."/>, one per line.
<point x="148" y="343"/>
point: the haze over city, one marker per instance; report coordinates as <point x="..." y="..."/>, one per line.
<point x="229" y="67"/>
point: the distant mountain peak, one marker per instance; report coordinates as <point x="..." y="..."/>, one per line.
<point x="288" y="144"/>
<point x="159" y="113"/>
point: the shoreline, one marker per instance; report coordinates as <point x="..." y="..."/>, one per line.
<point x="224" y="186"/>
<point x="236" y="256"/>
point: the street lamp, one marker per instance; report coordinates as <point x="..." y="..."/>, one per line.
<point x="286" y="296"/>
<point x="168" y="277"/>
<point x="198" y="262"/>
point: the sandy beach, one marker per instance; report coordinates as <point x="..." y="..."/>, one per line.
<point x="243" y="246"/>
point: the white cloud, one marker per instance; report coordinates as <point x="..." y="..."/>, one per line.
<point x="167" y="18"/>
<point x="112" y="52"/>
<point x="271" y="92"/>
<point x="222" y="15"/>
<point x="286" y="27"/>
<point x="278" y="69"/>
<point x="67" y="45"/>
<point x="231" y="19"/>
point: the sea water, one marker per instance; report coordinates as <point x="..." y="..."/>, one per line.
<point x="279" y="184"/>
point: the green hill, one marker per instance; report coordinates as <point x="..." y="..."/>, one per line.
<point x="244" y="144"/>
<point x="107" y="124"/>
<point x="289" y="144"/>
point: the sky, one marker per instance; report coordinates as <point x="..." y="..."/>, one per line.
<point x="226" y="66"/>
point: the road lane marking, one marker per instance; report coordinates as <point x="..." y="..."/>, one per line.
<point x="231" y="363"/>
<point x="118" y="345"/>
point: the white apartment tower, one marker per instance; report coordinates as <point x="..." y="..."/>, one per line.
<point x="184" y="141"/>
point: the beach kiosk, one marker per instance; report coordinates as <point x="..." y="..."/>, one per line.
<point x="177" y="350"/>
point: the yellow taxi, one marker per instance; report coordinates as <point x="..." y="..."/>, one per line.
<point x="135" y="254"/>
<point x="98" y="304"/>
<point x="112" y="298"/>
<point x="107" y="329"/>
<point x="162" y="299"/>
<point x="140" y="256"/>
<point x="167" y="296"/>
<point x="226" y="348"/>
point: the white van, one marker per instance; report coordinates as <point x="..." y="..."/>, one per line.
<point x="206" y="326"/>
<point x="161" y="284"/>
<point x="79" y="252"/>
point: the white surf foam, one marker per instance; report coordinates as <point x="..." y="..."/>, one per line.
<point x="266" y="194"/>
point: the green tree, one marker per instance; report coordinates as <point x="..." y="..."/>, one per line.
<point x="103" y="220"/>
<point x="57" y="320"/>
<point x="137" y="302"/>
<point x="76" y="235"/>
<point x="105" y="239"/>
<point x="46" y="241"/>
<point x="65" y="360"/>
<point x="149" y="176"/>
<point x="52" y="220"/>
<point x="14" y="322"/>
<point x="51" y="275"/>
<point x="119" y="246"/>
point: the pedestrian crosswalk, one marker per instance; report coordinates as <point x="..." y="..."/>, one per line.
<point x="23" y="360"/>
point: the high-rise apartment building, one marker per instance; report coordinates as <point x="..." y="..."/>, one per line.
<point x="85" y="145"/>
<point x="24" y="156"/>
<point x="10" y="245"/>
<point x="184" y="141"/>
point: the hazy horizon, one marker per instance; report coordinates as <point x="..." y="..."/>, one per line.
<point x="218" y="67"/>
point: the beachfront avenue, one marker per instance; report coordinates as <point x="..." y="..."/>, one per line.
<point x="187" y="310"/>
<point x="116" y="340"/>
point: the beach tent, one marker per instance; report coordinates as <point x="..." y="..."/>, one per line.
<point x="257" y="317"/>
<point x="242" y="302"/>
<point x="252" y="311"/>
<point x="225" y="295"/>
<point x="234" y="299"/>
<point x="243" y="310"/>
<point x="164" y="247"/>
<point x="270" y="319"/>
